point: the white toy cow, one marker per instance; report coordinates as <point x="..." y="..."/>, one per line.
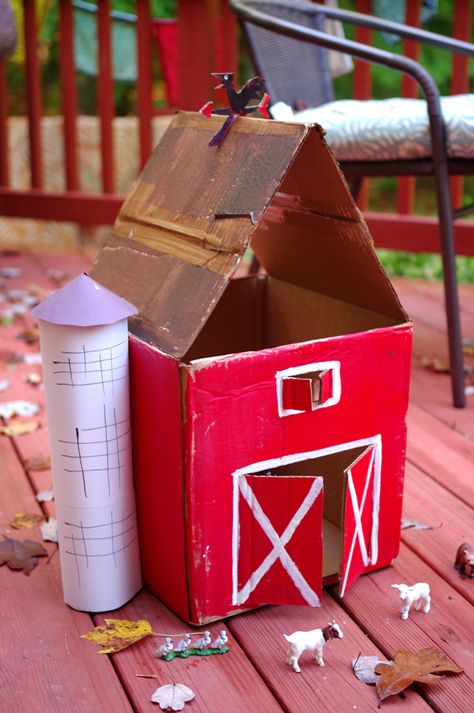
<point x="313" y="640"/>
<point x="418" y="593"/>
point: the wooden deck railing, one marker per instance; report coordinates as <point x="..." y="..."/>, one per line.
<point x="207" y="41"/>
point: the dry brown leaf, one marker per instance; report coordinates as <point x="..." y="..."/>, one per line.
<point x="117" y="634"/>
<point x="26" y="520"/>
<point x="21" y="554"/>
<point x="408" y="668"/>
<point x="38" y="463"/>
<point x="29" y="335"/>
<point x="436" y="364"/>
<point x="19" y="428"/>
<point x="468" y="346"/>
<point x="440" y="365"/>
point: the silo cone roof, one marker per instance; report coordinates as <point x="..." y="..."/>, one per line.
<point x="83" y="302"/>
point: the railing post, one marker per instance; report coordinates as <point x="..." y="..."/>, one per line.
<point x="144" y="81"/>
<point x="4" y="155"/>
<point x="406" y="185"/>
<point x="105" y="94"/>
<point x="68" y="91"/>
<point x="33" y="93"/>
<point x="362" y="88"/>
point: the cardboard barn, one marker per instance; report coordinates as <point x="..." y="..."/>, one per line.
<point x="268" y="411"/>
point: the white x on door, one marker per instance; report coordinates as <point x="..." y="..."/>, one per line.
<point x="277" y="540"/>
<point x="360" y="517"/>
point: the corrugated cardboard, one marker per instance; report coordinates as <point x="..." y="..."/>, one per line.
<point x="289" y="384"/>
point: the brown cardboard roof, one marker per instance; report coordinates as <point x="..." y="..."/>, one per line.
<point x="171" y="257"/>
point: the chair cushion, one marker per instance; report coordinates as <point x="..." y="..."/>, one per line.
<point x="388" y="129"/>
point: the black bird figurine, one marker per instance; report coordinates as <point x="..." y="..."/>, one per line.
<point x="238" y="101"/>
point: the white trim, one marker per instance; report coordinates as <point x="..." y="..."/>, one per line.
<point x="278" y="542"/>
<point x="263" y="466"/>
<point x="334" y="366"/>
<point x="358" y="531"/>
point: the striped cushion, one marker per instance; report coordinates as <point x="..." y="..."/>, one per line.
<point x="388" y="129"/>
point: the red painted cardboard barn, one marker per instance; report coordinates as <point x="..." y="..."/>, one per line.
<point x="268" y="411"/>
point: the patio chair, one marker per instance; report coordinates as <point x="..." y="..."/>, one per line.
<point x="289" y="46"/>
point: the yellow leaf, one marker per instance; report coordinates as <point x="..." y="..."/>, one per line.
<point x="25" y="520"/>
<point x="19" y="428"/>
<point x="117" y="634"/>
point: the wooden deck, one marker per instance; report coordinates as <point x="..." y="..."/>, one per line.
<point x="46" y="666"/>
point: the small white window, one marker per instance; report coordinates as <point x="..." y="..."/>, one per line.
<point x="307" y="388"/>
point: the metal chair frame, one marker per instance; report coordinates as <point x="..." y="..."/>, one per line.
<point x="264" y="13"/>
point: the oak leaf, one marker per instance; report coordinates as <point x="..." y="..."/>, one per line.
<point x="21" y="554"/>
<point x="26" y="520"/>
<point x="408" y="667"/>
<point x="172" y="697"/>
<point x="117" y="634"/>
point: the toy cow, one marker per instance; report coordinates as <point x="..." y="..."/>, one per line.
<point x="464" y="562"/>
<point x="313" y="640"/>
<point x="418" y="593"/>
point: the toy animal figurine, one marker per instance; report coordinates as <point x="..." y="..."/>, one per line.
<point x="418" y="593"/>
<point x="164" y="649"/>
<point x="313" y="640"/>
<point x="204" y="642"/>
<point x="183" y="644"/>
<point x="220" y="641"/>
<point x="464" y="561"/>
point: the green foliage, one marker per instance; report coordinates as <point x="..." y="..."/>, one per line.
<point x="423" y="266"/>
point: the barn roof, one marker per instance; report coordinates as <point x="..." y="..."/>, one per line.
<point x="193" y="212"/>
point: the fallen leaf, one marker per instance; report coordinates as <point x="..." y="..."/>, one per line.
<point x="10" y="272"/>
<point x="436" y="364"/>
<point x="57" y="276"/>
<point x="20" y="428"/>
<point x="408" y="667"/>
<point x="364" y="668"/>
<point x="32" y="358"/>
<point x="415" y="525"/>
<point x="440" y="365"/>
<point x="45" y="496"/>
<point x="7" y="319"/>
<point x="33" y="379"/>
<point x="468" y="346"/>
<point x="21" y="554"/>
<point x="117" y="634"/>
<point x="38" y="463"/>
<point x="49" y="530"/>
<point x="172" y="697"/>
<point x="26" y="520"/>
<point x="29" y="336"/>
<point x="8" y="409"/>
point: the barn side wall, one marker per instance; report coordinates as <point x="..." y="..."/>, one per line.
<point x="158" y="473"/>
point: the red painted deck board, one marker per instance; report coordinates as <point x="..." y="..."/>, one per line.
<point x="38" y="671"/>
<point x="44" y="664"/>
